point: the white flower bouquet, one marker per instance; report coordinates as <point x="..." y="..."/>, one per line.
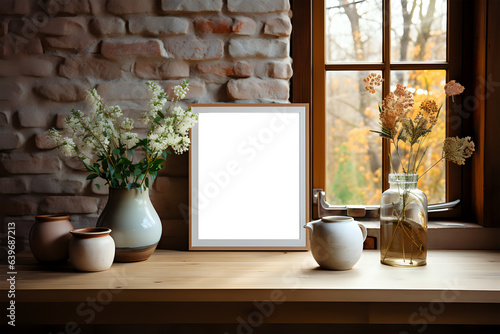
<point x="105" y="143"/>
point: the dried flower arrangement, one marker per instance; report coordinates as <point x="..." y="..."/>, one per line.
<point x="404" y="209"/>
<point x="107" y="149"/>
<point x="395" y="125"/>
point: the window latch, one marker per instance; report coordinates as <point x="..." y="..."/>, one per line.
<point x="368" y="211"/>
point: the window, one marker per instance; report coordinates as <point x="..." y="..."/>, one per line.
<point x="412" y="42"/>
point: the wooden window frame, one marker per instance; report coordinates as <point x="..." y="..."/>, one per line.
<point x="470" y="48"/>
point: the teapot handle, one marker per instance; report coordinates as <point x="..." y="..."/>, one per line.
<point x="363" y="230"/>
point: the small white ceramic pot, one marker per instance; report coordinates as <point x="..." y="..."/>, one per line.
<point x="336" y="242"/>
<point x="91" y="249"/>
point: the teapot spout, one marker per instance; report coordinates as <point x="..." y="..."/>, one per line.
<point x="309" y="226"/>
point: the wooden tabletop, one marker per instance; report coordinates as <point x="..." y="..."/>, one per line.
<point x="176" y="276"/>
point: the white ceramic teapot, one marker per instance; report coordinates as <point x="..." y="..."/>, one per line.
<point x="336" y="241"/>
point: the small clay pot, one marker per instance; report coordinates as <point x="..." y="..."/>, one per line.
<point x="91" y="249"/>
<point x="49" y="238"/>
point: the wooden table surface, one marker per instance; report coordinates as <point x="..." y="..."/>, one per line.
<point x="464" y="280"/>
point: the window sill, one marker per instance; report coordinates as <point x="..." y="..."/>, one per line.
<point x="451" y="235"/>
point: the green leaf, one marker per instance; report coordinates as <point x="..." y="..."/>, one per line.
<point x="116" y="151"/>
<point x="92" y="176"/>
<point x="137" y="171"/>
<point x="98" y="186"/>
<point x="164" y="155"/>
<point x="146" y="182"/>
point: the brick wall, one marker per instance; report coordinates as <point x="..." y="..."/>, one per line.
<point x="52" y="51"/>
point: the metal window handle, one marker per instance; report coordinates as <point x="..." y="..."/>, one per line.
<point x="369" y="211"/>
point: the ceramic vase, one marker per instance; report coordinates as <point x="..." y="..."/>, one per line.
<point x="49" y="238"/>
<point x="336" y="242"/>
<point x="91" y="249"/>
<point x="403" y="222"/>
<point x="135" y="224"/>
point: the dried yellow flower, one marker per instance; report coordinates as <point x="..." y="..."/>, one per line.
<point x="453" y="88"/>
<point x="395" y="107"/>
<point x="371" y="81"/>
<point x="412" y="130"/>
<point x="430" y="108"/>
<point x="458" y="149"/>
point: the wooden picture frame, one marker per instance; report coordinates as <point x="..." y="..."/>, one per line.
<point x="248" y="177"/>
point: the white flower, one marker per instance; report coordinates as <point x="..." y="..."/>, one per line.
<point x="181" y="90"/>
<point x="67" y="147"/>
<point x="127" y="124"/>
<point x="181" y="145"/>
<point x="129" y="139"/>
<point x="115" y="112"/>
<point x="55" y="136"/>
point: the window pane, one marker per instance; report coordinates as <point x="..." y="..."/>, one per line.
<point x="354" y="154"/>
<point x="427" y="85"/>
<point x="353" y="31"/>
<point x="418" y="30"/>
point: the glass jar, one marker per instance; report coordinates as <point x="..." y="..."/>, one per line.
<point x="403" y="222"/>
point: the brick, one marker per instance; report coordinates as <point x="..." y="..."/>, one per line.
<point x="252" y="88"/>
<point x="24" y="163"/>
<point x="62" y="91"/>
<point x="37" y="67"/>
<point x="103" y="190"/>
<point x="242" y="69"/>
<point x="44" y="143"/>
<point x="9" y="68"/>
<point x="15" y="7"/>
<point x="278" y="26"/>
<point x="249" y="47"/>
<point x="18" y="206"/>
<point x="196" y="88"/>
<point x="9" y="140"/>
<point x="239" y="69"/>
<point x="32" y="118"/>
<point x="168" y="70"/>
<point x="244" y="26"/>
<point x="123" y="91"/>
<point x="124" y="7"/>
<point x="258" y="6"/>
<point x="191" y="48"/>
<point x="88" y="66"/>
<point x="141" y="48"/>
<point x="70" y="42"/>
<point x="158" y="26"/>
<point x="4" y="27"/>
<point x="170" y="193"/>
<point x="85" y="220"/>
<point x="279" y="70"/>
<point x="61" y="26"/>
<point x="218" y="25"/>
<point x="59" y="121"/>
<point x="73" y="163"/>
<point x="191" y="5"/>
<point x="10" y="90"/>
<point x="68" y="204"/>
<point x="46" y="185"/>
<point x="107" y="26"/>
<point x="4" y="122"/>
<point x="71" y="7"/>
<point x="13" y="185"/>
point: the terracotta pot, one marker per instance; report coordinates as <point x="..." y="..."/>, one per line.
<point x="135" y="223"/>
<point x="49" y="238"/>
<point x="91" y="249"/>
